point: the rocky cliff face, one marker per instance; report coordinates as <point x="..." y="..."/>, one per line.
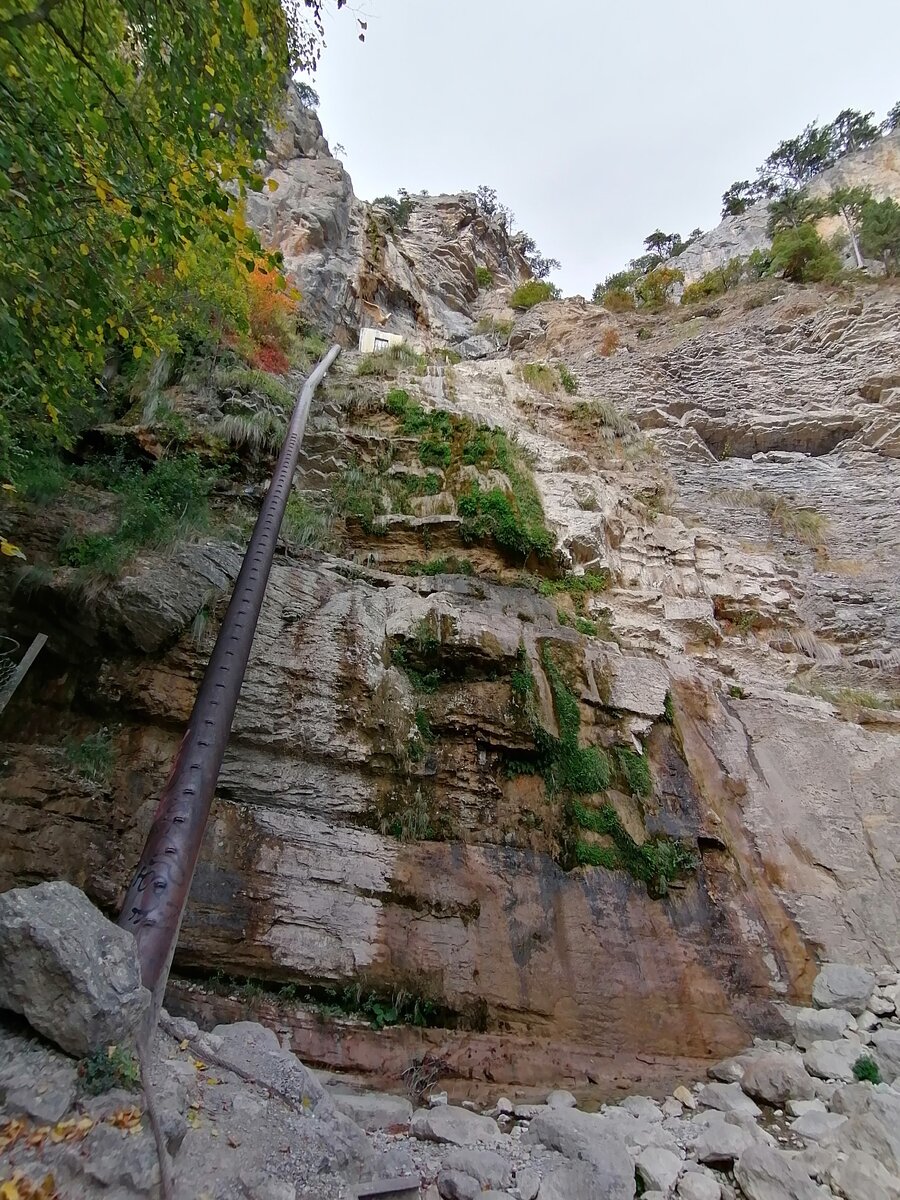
<point x="876" y="167"/>
<point x="354" y="262"/>
<point x="593" y="826"/>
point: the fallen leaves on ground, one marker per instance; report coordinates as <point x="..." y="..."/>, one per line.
<point x="127" y="1119"/>
<point x="34" y="1136"/>
<point x="20" y="1187"/>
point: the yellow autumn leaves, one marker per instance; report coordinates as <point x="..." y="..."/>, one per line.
<point x="20" y="1132"/>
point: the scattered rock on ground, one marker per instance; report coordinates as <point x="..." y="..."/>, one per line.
<point x="585" y="1181"/>
<point x="659" y="1169"/>
<point x="373" y="1110"/>
<point x="817" y="1126"/>
<point x="720" y="1143"/>
<point x="699" y="1185"/>
<point x="728" y="1097"/>
<point x="832" y="1060"/>
<point x="841" y="986"/>
<point x="886" y="1044"/>
<point x="489" y="1169"/>
<point x="820" y="1025"/>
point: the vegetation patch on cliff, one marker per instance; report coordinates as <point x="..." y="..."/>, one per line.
<point x="512" y="517"/>
<point x="156" y="506"/>
<point x="656" y="862"/>
<point x="572" y="771"/>
<point x="406" y="1003"/>
<point x="561" y="761"/>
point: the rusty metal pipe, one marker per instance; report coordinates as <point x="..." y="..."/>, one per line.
<point x="156" y="899"/>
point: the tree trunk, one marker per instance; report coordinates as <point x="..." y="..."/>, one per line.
<point x="853" y="242"/>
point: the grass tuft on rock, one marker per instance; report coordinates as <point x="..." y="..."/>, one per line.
<point x="866" y="1069"/>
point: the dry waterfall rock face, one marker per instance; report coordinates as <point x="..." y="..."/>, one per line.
<point x="72" y="974"/>
<point x="383" y="821"/>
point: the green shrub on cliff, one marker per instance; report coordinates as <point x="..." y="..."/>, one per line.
<point x="800" y="255"/>
<point x="156" y="507"/>
<point x="714" y="283"/>
<point x="535" y="291"/>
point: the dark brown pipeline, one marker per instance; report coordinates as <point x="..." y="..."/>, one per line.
<point x="154" y="904"/>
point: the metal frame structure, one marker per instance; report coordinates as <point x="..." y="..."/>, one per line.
<point x="155" y="901"/>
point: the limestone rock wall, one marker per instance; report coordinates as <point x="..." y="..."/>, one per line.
<point x="355" y="265"/>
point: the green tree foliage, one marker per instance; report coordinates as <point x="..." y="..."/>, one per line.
<point x="399" y="208"/>
<point x="662" y="244"/>
<point x="644" y="263"/>
<point x="128" y="136"/>
<point x="653" y="290"/>
<point x="616" y="292"/>
<point x="800" y="255"/>
<point x="796" y="161"/>
<point x="892" y="120"/>
<point x="879" y="233"/>
<point x="851" y="130"/>
<point x="492" y="210"/>
<point x="739" y="197"/>
<point x="791" y="208"/>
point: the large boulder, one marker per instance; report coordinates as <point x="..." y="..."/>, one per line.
<point x="728" y="1097"/>
<point x="777" y="1077"/>
<point x="456" y="1126"/>
<point x="486" y="1168"/>
<point x="817" y="1126"/>
<point x="374" y="1110"/>
<point x="719" y="1142"/>
<point x="832" y="1060"/>
<point x="886" y="1043"/>
<point x="821" y="1025"/>
<point x="582" y="1136"/>
<point x="699" y="1185"/>
<point x="840" y="986"/>
<point x="767" y="1174"/>
<point x="874" y="1129"/>
<point x="859" y="1176"/>
<point x="584" y="1181"/>
<point x="69" y="971"/>
<point x="658" y="1169"/>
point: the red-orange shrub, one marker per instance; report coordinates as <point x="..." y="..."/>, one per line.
<point x="270" y="358"/>
<point x="609" y="341"/>
<point x="271" y="309"/>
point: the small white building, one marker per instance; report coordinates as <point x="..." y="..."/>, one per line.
<point x="371" y="341"/>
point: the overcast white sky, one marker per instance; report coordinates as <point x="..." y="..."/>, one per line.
<point x="595" y="120"/>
